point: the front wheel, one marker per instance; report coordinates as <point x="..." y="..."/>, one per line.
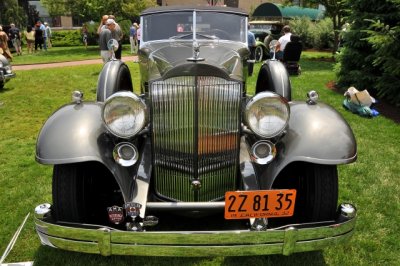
<point x="82" y="192"/>
<point x="259" y="54"/>
<point x="317" y="191"/>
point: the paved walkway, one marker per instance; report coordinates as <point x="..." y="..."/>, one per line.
<point x="72" y="63"/>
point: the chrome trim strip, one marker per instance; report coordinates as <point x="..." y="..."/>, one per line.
<point x="142" y="179"/>
<point x="107" y="241"/>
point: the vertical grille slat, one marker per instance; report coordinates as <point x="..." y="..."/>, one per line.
<point x="195" y="136"/>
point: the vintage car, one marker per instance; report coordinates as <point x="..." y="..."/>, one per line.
<point x="5" y="71"/>
<point x="262" y="29"/>
<point x="194" y="165"/>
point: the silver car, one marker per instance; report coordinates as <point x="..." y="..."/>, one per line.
<point x="6" y="72"/>
<point x="193" y="165"/>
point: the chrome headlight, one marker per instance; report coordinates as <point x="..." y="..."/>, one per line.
<point x="267" y="114"/>
<point x="124" y="114"/>
<point x="8" y="69"/>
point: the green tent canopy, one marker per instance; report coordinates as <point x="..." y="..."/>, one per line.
<point x="287" y="12"/>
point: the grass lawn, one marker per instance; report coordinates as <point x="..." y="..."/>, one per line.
<point x="62" y="54"/>
<point x="371" y="183"/>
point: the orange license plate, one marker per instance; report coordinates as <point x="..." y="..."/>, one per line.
<point x="259" y="203"/>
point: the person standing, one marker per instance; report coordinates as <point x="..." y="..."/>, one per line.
<point x="138" y="35"/>
<point x="4" y="45"/>
<point x="43" y="29"/>
<point x="251" y="42"/>
<point x="29" y="38"/>
<point x="102" y="24"/>
<point x="48" y="34"/>
<point x="38" y="37"/>
<point x="85" y="35"/>
<point x="105" y="36"/>
<point x="132" y="37"/>
<point x="15" y="36"/>
<point x="118" y="35"/>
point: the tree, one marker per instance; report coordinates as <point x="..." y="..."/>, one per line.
<point x="94" y="9"/>
<point x="13" y="13"/>
<point x="370" y="58"/>
<point x="132" y="9"/>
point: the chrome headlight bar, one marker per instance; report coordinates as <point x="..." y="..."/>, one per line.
<point x="124" y="114"/>
<point x="267" y="114"/>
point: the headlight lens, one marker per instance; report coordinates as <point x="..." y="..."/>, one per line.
<point x="124" y="114"/>
<point x="267" y="114"/>
<point x="8" y="69"/>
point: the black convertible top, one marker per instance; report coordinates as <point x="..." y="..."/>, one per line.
<point x="164" y="9"/>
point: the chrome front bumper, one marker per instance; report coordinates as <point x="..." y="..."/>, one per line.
<point x="284" y="240"/>
<point x="6" y="77"/>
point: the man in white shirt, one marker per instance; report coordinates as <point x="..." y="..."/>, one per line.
<point x="283" y="41"/>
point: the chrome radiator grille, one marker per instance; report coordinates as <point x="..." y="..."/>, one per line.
<point x="195" y="129"/>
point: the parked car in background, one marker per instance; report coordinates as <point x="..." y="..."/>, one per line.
<point x="5" y="71"/>
<point x="194" y="165"/>
<point x="262" y="29"/>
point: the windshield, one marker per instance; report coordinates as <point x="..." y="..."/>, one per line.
<point x="182" y="25"/>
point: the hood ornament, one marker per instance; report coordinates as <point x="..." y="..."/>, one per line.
<point x="196" y="52"/>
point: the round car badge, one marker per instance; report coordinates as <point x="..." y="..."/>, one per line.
<point x="196" y="184"/>
<point x="115" y="214"/>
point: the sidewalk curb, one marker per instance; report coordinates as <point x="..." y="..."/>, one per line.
<point x="68" y="63"/>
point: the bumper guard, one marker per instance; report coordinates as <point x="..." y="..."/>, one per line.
<point x="108" y="241"/>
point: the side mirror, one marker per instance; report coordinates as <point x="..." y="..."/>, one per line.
<point x="112" y="46"/>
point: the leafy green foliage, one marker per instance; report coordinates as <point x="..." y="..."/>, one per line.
<point x="67" y="38"/>
<point x="12" y="12"/>
<point x="336" y="10"/>
<point x="370" y="58"/>
<point x="317" y="35"/>
<point x="385" y="41"/>
<point x="94" y="9"/>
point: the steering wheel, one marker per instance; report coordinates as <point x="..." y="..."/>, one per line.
<point x="221" y="34"/>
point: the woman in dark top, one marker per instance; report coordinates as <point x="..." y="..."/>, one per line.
<point x="38" y="37"/>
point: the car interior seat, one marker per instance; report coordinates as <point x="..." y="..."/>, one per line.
<point x="291" y="55"/>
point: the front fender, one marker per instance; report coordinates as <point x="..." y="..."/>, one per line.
<point x="316" y="134"/>
<point x="72" y="134"/>
<point x="75" y="133"/>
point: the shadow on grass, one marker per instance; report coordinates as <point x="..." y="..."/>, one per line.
<point x="50" y="256"/>
<point x="6" y="89"/>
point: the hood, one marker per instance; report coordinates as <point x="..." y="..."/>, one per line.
<point x="162" y="60"/>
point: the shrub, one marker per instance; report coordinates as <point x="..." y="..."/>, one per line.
<point x="318" y="35"/>
<point x="75" y="37"/>
<point x="323" y="35"/>
<point x="66" y="38"/>
<point x="301" y="26"/>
